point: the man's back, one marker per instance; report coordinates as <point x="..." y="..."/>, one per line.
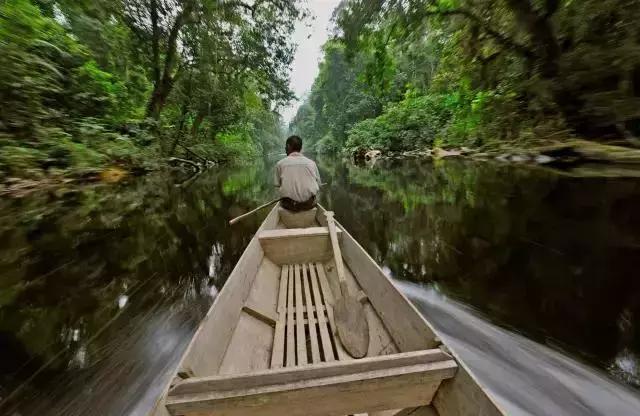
<point x="297" y="177"/>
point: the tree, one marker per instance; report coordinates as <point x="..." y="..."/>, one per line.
<point x="553" y="36"/>
<point x="338" y="100"/>
<point x="247" y="38"/>
<point x="499" y="69"/>
<point x="81" y="79"/>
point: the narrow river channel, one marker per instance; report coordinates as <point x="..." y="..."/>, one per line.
<point x="531" y="275"/>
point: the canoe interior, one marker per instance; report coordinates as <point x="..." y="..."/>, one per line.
<point x="272" y="325"/>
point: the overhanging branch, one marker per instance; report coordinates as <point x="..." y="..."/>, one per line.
<point x="497" y="36"/>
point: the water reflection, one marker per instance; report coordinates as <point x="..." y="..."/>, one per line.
<point x="102" y="287"/>
<point x="550" y="256"/>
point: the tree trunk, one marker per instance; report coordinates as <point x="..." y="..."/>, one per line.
<point x="195" y="128"/>
<point x="547" y="52"/>
<point x="178" y="134"/>
<point x="159" y="96"/>
<point x="540" y="30"/>
<point x="163" y="86"/>
<point x="155" y="41"/>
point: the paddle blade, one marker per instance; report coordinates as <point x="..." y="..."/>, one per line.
<point x="352" y="325"/>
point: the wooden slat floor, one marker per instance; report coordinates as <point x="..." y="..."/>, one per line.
<point x="305" y="329"/>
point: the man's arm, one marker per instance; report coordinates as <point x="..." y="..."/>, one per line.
<point x="316" y="173"/>
<point x="277" y="181"/>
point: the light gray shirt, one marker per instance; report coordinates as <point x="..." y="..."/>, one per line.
<point x="297" y="177"/>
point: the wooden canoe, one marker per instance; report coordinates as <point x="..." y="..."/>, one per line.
<point x="268" y="345"/>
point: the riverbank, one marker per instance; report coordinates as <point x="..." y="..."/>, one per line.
<point x="561" y="154"/>
<point x="60" y="182"/>
<point x="29" y="168"/>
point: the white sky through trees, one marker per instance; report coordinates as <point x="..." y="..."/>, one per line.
<point x="308" y="54"/>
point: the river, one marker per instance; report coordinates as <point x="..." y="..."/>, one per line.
<point x="531" y="275"/>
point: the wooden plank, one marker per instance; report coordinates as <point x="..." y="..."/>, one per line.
<point x="301" y="340"/>
<point x="412" y="411"/>
<point x="380" y="341"/>
<point x="264" y="290"/>
<point x="313" y="336"/>
<point x="277" y="234"/>
<point x="410" y="331"/>
<point x="424" y="411"/>
<point x="250" y="347"/>
<point x="345" y="394"/>
<point x="243" y="340"/>
<point x="313" y="371"/>
<point x="289" y="246"/>
<point x="208" y="346"/>
<point x="291" y="352"/>
<point x="328" y="296"/>
<point x="318" y="309"/>
<point x="327" y="348"/>
<point x="277" y="356"/>
<point x="463" y="395"/>
<point x="261" y="315"/>
<point x="386" y="412"/>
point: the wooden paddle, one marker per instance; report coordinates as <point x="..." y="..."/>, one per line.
<point x="350" y="317"/>
<point x="236" y="219"/>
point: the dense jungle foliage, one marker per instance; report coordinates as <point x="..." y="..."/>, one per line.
<point x="404" y="74"/>
<point x="86" y="83"/>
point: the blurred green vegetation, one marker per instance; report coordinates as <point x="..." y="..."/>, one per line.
<point x="404" y="75"/>
<point x="84" y="84"/>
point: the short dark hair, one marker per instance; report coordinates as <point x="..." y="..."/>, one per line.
<point x="295" y="143"/>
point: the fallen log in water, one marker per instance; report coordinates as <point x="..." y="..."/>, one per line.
<point x="175" y="160"/>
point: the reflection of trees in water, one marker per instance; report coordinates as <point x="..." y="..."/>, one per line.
<point x="547" y="256"/>
<point x="555" y="258"/>
<point x="87" y="276"/>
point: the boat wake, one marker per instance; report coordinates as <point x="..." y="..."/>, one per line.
<point x="525" y="377"/>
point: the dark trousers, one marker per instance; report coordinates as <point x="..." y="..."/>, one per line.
<point x="295" y="206"/>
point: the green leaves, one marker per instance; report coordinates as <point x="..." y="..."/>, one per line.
<point x="412" y="123"/>
<point x="489" y="71"/>
<point x="74" y="75"/>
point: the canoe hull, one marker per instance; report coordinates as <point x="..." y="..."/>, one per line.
<point x="280" y="305"/>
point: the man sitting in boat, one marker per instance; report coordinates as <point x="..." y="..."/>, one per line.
<point x="297" y="178"/>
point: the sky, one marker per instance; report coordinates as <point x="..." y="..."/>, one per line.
<point x="308" y="54"/>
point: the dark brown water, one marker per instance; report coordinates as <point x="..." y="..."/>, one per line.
<point x="101" y="288"/>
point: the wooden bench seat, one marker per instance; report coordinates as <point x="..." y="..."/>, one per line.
<point x="330" y="388"/>
<point x="297" y="245"/>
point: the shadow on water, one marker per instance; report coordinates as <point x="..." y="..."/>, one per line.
<point x="101" y="288"/>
